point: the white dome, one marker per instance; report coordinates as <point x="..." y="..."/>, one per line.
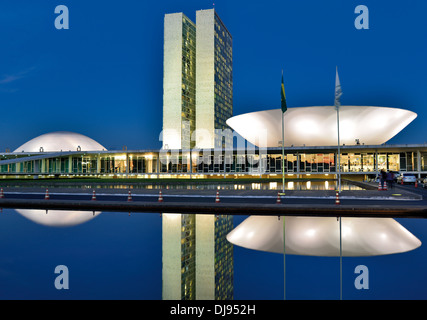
<point x="317" y="126"/>
<point x="60" y="141"/>
<point x="319" y="236"/>
<point x="57" y="218"/>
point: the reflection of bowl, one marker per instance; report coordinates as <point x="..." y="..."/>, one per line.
<point x="317" y="126"/>
<point x="319" y="236"/>
<point x="57" y="218"/>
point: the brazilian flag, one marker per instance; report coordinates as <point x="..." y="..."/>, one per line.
<point x="282" y="91"/>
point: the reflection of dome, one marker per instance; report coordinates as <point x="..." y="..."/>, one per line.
<point x="317" y="126"/>
<point x="60" y="141"/>
<point x="319" y="236"/>
<point x="57" y="218"/>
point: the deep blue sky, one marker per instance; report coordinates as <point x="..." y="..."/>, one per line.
<point x="103" y="76"/>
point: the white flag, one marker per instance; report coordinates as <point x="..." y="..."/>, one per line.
<point x="338" y="91"/>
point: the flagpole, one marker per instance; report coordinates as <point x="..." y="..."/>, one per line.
<point x="283" y="108"/>
<point x="340" y="258"/>
<point x="283" y="143"/>
<point x="284" y="260"/>
<point x="339" y="150"/>
<point x="283" y="193"/>
<point x="339" y="190"/>
<point x="338" y="93"/>
<point x="283" y="153"/>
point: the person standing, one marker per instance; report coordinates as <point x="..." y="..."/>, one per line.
<point x="383" y="177"/>
<point x="389" y="179"/>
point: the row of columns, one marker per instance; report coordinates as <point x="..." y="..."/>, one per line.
<point x="151" y="165"/>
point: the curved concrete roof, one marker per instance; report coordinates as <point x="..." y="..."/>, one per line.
<point x="57" y="218"/>
<point x="60" y="141"/>
<point x="317" y="126"/>
<point x="319" y="236"/>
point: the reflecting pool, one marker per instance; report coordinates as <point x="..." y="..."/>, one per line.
<point x="237" y="185"/>
<point x="112" y="255"/>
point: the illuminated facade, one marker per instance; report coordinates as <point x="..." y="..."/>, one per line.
<point x="197" y="81"/>
<point x="178" y="257"/>
<point x="357" y="162"/>
<point x="179" y="81"/>
<point x="214" y="80"/>
<point x="214" y="257"/>
<point x="197" y="98"/>
<point x="197" y="259"/>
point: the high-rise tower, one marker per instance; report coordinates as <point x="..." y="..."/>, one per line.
<point x="197" y="81"/>
<point x="179" y="81"/>
<point x="197" y="101"/>
<point x="214" y="79"/>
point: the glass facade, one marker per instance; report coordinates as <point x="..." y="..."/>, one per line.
<point x="179" y="81"/>
<point x="188" y="257"/>
<point x="188" y="102"/>
<point x="224" y="265"/>
<point x="181" y="243"/>
<point x="217" y="162"/>
<point x="423" y="156"/>
<point x="223" y="80"/>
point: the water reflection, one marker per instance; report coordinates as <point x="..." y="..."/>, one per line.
<point x="197" y="251"/>
<point x="57" y="218"/>
<point x="190" y="262"/>
<point x="197" y="259"/>
<point x="319" y="236"/>
<point x="241" y="185"/>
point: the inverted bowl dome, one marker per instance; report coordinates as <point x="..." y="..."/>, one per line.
<point x="60" y="141"/>
<point x="319" y="236"/>
<point x="317" y="126"/>
<point x="57" y="218"/>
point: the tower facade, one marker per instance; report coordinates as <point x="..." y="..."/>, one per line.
<point x="179" y="81"/>
<point x="214" y="257"/>
<point x="197" y="101"/>
<point x="214" y="80"/>
<point x="178" y="256"/>
<point x="197" y="81"/>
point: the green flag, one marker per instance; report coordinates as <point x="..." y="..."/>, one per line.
<point x="282" y="92"/>
<point x="338" y="90"/>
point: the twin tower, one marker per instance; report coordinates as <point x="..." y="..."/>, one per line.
<point x="197" y="259"/>
<point x="197" y="81"/>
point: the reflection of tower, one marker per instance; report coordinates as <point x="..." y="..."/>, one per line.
<point x="178" y="254"/>
<point x="197" y="258"/>
<point x="214" y="257"/>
